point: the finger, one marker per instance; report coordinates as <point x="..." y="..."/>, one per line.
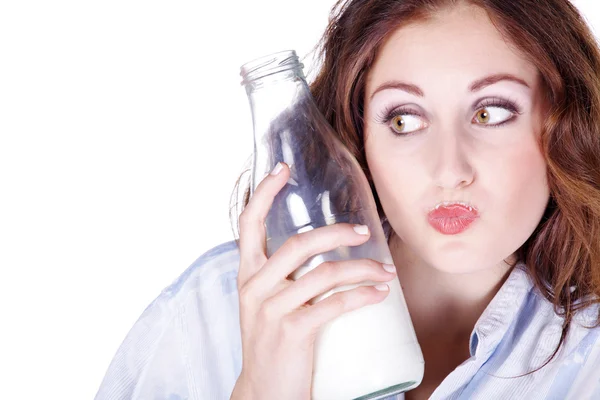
<point x="327" y="276"/>
<point x="252" y="222"/>
<point x="314" y="317"/>
<point x="297" y="249"/>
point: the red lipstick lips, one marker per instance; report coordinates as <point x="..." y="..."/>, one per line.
<point x="452" y="219"/>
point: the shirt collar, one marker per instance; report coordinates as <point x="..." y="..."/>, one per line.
<point x="495" y="320"/>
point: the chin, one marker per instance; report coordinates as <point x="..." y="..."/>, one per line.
<point x="462" y="260"/>
<point x="458" y="267"/>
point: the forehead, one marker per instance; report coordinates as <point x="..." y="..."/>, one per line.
<point x="452" y="49"/>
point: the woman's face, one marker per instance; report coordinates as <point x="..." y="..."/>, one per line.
<point x="441" y="126"/>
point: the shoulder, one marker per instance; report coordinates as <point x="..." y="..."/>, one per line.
<point x="548" y="321"/>
<point x="575" y="370"/>
<point x="217" y="268"/>
<point x="187" y="338"/>
<point x="523" y="324"/>
<point x="577" y="364"/>
<point x="520" y="331"/>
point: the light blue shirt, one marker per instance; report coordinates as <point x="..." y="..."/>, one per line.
<point x="187" y="344"/>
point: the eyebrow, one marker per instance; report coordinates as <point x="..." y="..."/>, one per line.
<point x="474" y="87"/>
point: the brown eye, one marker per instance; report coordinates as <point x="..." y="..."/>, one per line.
<point x="493" y="116"/>
<point x="398" y="123"/>
<point x="483" y="116"/>
<point x="404" y="122"/>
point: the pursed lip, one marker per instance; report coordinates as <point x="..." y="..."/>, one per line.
<point x="452" y="218"/>
<point x="453" y="211"/>
<point x="447" y="204"/>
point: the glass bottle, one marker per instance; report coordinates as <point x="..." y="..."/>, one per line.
<point x="369" y="353"/>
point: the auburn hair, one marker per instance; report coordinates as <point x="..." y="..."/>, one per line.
<point x="563" y="253"/>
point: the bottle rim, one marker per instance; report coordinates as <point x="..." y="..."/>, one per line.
<point x="269" y="64"/>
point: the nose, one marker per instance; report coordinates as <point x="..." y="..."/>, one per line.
<point x="452" y="169"/>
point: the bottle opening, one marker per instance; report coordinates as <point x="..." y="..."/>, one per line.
<point x="271" y="64"/>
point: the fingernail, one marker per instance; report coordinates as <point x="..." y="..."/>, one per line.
<point x="390" y="268"/>
<point x="361" y="229"/>
<point x="382" y="287"/>
<point x="277" y="169"/>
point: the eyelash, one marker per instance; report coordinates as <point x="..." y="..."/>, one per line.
<point x="392" y="112"/>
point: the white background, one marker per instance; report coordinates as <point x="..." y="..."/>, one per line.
<point x="123" y="128"/>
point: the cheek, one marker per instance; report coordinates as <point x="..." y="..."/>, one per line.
<point x="519" y="186"/>
<point x="399" y="178"/>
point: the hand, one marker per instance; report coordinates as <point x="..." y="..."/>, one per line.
<point x="278" y="325"/>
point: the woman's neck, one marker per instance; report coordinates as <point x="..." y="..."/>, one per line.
<point x="445" y="305"/>
<point x="444" y="308"/>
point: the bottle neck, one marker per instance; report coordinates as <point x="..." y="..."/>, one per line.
<point x="280" y="103"/>
<point x="274" y="64"/>
<point x="269" y="100"/>
<point x="273" y="83"/>
<point x="283" y="77"/>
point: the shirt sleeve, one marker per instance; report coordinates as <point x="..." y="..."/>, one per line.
<point x="186" y="345"/>
<point x="149" y="364"/>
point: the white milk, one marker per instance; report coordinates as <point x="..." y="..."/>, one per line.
<point x="372" y="351"/>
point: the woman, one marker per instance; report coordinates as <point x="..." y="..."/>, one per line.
<point x="487" y="104"/>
